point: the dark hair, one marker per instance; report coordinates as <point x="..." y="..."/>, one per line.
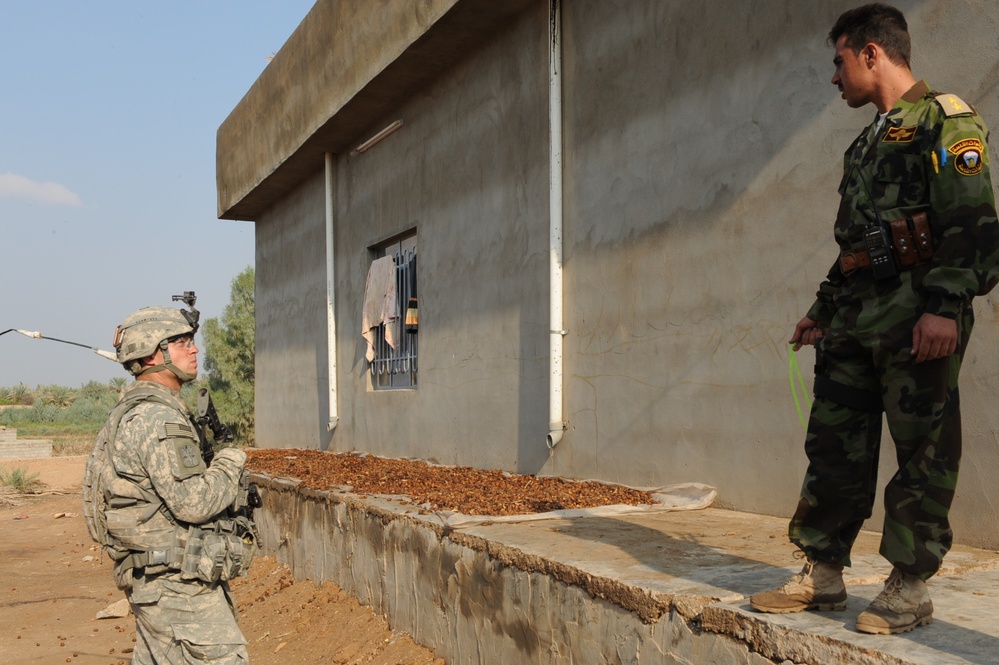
<point x="877" y="23"/>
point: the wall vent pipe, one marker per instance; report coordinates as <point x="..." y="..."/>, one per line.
<point x="330" y="295"/>
<point x="556" y="424"/>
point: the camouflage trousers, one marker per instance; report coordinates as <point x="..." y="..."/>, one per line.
<point x="921" y="406"/>
<point x="185" y="621"/>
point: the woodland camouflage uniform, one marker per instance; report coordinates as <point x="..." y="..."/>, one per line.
<point x="930" y="155"/>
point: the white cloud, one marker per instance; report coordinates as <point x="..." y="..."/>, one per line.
<point x="13" y="186"/>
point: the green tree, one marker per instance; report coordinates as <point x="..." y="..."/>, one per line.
<point x="60" y="396"/>
<point x="229" y="358"/>
<point x="21" y="394"/>
<point x="118" y="384"/>
<point x="94" y="391"/>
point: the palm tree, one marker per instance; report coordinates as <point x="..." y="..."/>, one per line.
<point x="60" y="396"/>
<point x="119" y="383"/>
<point x="21" y="394"/>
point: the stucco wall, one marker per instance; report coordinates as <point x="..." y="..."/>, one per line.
<point x="291" y="358"/>
<point x="468" y="171"/>
<point x="703" y="147"/>
<point x="703" y="153"/>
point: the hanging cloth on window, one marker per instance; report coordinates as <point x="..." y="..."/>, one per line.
<point x="381" y="305"/>
<point x="412" y="310"/>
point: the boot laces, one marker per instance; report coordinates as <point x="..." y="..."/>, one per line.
<point x="892" y="593"/>
<point x="806" y="570"/>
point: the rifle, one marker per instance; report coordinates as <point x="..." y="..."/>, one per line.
<point x="248" y="498"/>
<point x="208" y="418"/>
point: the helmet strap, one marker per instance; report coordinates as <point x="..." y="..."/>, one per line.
<point x="167" y="364"/>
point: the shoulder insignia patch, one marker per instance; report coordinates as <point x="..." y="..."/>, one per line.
<point x="189" y="455"/>
<point x="178" y="429"/>
<point x="899" y="135"/>
<point x="967" y="156"/>
<point x="953" y="105"/>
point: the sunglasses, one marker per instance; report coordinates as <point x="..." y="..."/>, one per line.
<point x="186" y="340"/>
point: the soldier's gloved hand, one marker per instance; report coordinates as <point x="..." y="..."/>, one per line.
<point x="233" y="456"/>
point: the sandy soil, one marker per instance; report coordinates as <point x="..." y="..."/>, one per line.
<point x="53" y="582"/>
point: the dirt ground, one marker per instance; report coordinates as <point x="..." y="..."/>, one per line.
<point x="53" y="582"/>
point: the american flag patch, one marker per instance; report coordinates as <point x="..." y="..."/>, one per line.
<point x="178" y="429"/>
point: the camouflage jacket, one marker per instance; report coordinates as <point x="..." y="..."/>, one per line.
<point x="930" y="154"/>
<point x="157" y="447"/>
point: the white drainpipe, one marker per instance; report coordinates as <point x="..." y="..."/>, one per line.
<point x="556" y="424"/>
<point x="330" y="297"/>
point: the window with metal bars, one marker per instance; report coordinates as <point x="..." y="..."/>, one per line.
<point x="396" y="367"/>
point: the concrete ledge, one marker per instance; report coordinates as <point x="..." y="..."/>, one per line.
<point x="643" y="588"/>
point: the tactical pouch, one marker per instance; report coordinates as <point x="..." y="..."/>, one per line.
<point x="912" y="240"/>
<point x="220" y="553"/>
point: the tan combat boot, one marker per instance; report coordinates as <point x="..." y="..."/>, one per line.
<point x="819" y="586"/>
<point x="902" y="605"/>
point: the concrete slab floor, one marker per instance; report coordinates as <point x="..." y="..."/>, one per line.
<point x="718" y="558"/>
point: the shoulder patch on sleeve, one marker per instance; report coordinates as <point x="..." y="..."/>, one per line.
<point x="953" y="105"/>
<point x="172" y="430"/>
<point x="189" y="456"/>
<point x="968" y="156"/>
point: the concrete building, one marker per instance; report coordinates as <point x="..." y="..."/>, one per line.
<point x="681" y="218"/>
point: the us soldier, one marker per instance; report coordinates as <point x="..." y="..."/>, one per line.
<point x="891" y="324"/>
<point x="159" y="510"/>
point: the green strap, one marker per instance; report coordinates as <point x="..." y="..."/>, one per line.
<point x="792" y="370"/>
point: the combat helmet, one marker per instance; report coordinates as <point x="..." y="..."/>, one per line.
<point x="148" y="329"/>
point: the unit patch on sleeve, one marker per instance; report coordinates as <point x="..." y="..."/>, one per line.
<point x="967" y="156"/>
<point x="188" y="454"/>
<point x="899" y="135"/>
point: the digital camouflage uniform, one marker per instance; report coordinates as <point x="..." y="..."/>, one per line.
<point x="931" y="155"/>
<point x="178" y="619"/>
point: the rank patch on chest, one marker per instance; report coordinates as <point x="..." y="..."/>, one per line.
<point x="968" y="156"/>
<point x="899" y="135"/>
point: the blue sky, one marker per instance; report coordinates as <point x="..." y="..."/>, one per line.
<point x="108" y="115"/>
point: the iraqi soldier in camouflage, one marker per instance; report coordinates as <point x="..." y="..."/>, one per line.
<point x="163" y="502"/>
<point x="918" y="239"/>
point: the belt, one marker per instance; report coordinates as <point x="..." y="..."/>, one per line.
<point x="852" y="260"/>
<point x="911" y="245"/>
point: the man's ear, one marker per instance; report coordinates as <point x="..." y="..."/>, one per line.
<point x="871" y="53"/>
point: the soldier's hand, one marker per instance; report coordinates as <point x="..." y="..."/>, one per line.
<point x="933" y="337"/>
<point x="807" y="332"/>
<point x="231" y="453"/>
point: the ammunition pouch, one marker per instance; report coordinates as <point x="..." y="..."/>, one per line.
<point x="911" y="245"/>
<point x="219" y="552"/>
<point x="216" y="552"/>
<point x="912" y="240"/>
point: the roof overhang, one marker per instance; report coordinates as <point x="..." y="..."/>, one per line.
<point x="346" y="66"/>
